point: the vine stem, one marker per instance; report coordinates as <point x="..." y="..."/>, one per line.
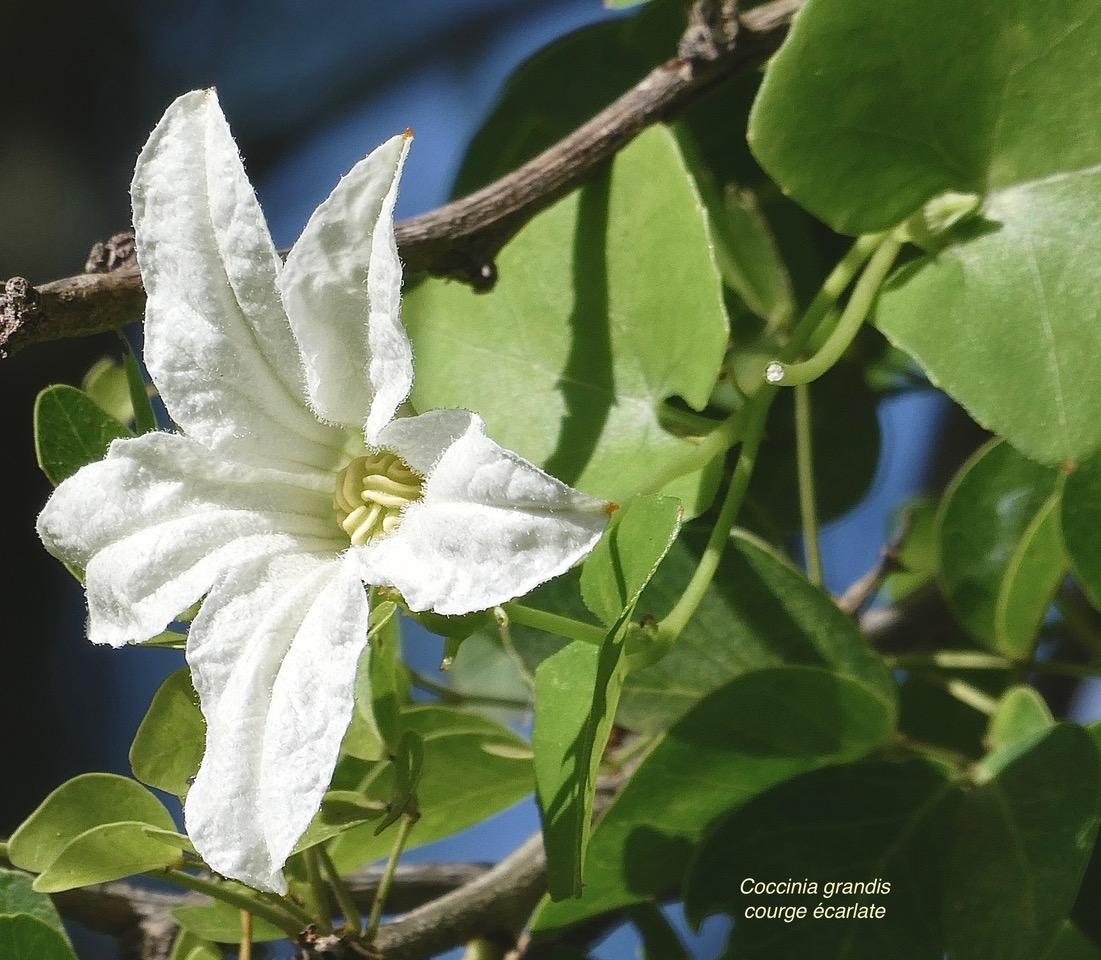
<point x="980" y="660"/>
<point x="834" y="285"/>
<point x="283" y="914"/>
<point x="348" y="909"/>
<point x="804" y="468"/>
<point x="852" y="317"/>
<point x="713" y="444"/>
<point x="873" y="253"/>
<point x="963" y="691"/>
<point x="450" y="695"/>
<point x="555" y="623"/>
<point x="677" y="619"/>
<point x="405" y="824"/>
<point x="321" y="907"/>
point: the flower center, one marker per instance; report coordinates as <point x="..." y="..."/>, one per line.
<point x="371" y="493"/>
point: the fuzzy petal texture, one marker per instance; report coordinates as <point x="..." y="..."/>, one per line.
<point x="341" y="288"/>
<point x="158" y="520"/>
<point x="273" y="656"/>
<point x="491" y="526"/>
<point x="217" y="340"/>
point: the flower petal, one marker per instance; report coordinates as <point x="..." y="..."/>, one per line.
<point x="159" y="518"/>
<point x="273" y="656"/>
<point x="342" y="287"/>
<point x="490" y="527"/>
<point x="217" y="341"/>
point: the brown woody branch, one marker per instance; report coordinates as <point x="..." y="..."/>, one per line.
<point x="140" y="918"/>
<point x="461" y="239"/>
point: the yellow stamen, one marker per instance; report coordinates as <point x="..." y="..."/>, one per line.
<point x="371" y="493"/>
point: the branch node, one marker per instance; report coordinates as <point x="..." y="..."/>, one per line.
<point x="712" y="31"/>
<point x="109" y="256"/>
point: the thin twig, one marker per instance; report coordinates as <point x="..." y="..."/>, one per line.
<point x="461" y="239"/>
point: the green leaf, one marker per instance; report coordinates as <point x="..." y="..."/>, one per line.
<point x="169" y="743"/>
<point x="221" y="923"/>
<point x="26" y="937"/>
<point x="190" y="947"/>
<point x="577" y="689"/>
<point x="83" y="803"/>
<point x="754" y="732"/>
<point x="1021" y="843"/>
<point x="1004" y="319"/>
<point x="881" y="825"/>
<point x="107" y="852"/>
<point x="381" y="691"/>
<point x="746" y="252"/>
<point x="581" y="345"/>
<point x="70" y="431"/>
<point x="1035" y="571"/>
<point x="759" y="612"/>
<point x="869" y="110"/>
<point x="1022" y="714"/>
<point x="106" y="383"/>
<point x="145" y="420"/>
<point x="472" y="769"/>
<point x="917" y="555"/>
<point x="1005" y="322"/>
<point x="576" y="694"/>
<point x="627" y="556"/>
<point x="17" y="896"/>
<point x="1001" y="555"/>
<point x="1081" y="521"/>
<point x="1070" y="943"/>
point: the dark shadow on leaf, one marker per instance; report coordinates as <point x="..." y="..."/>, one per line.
<point x="651" y="858"/>
<point x="775" y="712"/>
<point x="587" y="383"/>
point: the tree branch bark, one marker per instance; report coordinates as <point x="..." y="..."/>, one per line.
<point x="461" y="239"/>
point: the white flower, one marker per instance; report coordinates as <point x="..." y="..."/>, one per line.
<point x="291" y="484"/>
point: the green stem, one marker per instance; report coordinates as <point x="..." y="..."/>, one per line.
<point x="979" y="660"/>
<point x="717" y="442"/>
<point x="954" y="758"/>
<point x="387" y="878"/>
<point x="4" y="850"/>
<point x="505" y="634"/>
<point x="951" y="660"/>
<point x="555" y="623"/>
<point x="282" y="913"/>
<point x="804" y="468"/>
<point x="348" y="909"/>
<point x="449" y="695"/>
<point x="853" y="316"/>
<point x="321" y="908"/>
<point x="826" y="298"/>
<point x="677" y="619"/>
<point x="964" y="692"/>
<point x="688" y="421"/>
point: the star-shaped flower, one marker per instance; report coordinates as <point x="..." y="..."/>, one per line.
<point x="292" y="483"/>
